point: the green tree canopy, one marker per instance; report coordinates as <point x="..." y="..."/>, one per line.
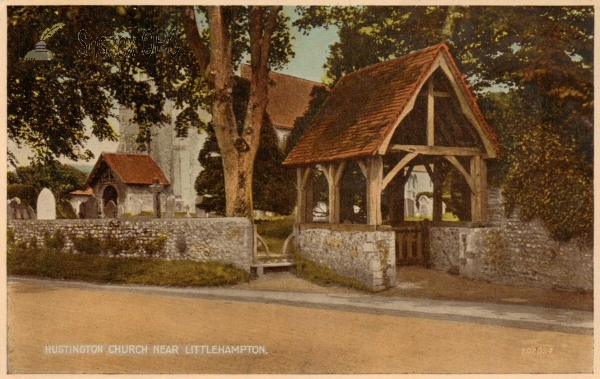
<point x="191" y="54"/>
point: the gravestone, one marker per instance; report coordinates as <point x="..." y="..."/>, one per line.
<point x="424" y="206"/>
<point x="90" y="208"/>
<point x="156" y="189"/>
<point x="31" y="213"/>
<point x="136" y="207"/>
<point x="110" y="210"/>
<point x="46" y="205"/>
<point x="13" y="209"/>
<point x="170" y="206"/>
<point x="120" y="210"/>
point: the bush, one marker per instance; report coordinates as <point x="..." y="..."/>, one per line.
<point x="116" y="246"/>
<point x="56" y="241"/>
<point x="279" y="228"/>
<point x="155" y="246"/>
<point x="87" y="244"/>
<point x="27" y="193"/>
<point x="94" y="268"/>
<point x="10" y="236"/>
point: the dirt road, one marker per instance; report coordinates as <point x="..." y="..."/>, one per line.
<point x="298" y="340"/>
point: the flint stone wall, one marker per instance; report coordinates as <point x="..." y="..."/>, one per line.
<point x="368" y="256"/>
<point x="513" y="252"/>
<point x="227" y="239"/>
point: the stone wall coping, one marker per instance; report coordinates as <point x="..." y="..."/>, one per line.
<point x="383" y="228"/>
<point x="338" y="227"/>
<point x="149" y="220"/>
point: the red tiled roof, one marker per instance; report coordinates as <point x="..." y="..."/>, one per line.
<point x="87" y="192"/>
<point x="365" y="105"/>
<point x="130" y="168"/>
<point x="288" y="97"/>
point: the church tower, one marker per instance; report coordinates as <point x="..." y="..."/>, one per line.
<point x="176" y="156"/>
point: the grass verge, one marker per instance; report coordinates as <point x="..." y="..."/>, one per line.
<point x="49" y="263"/>
<point x="274" y="232"/>
<point x="324" y="276"/>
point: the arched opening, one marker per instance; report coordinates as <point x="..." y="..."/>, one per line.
<point x="110" y="193"/>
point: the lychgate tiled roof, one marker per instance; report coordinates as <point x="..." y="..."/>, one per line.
<point x="365" y="105"/>
<point x="289" y="97"/>
<point x="130" y="168"/>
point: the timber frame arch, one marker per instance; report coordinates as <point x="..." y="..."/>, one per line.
<point x="388" y="118"/>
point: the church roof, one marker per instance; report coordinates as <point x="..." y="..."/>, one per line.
<point x="87" y="192"/>
<point x="130" y="168"/>
<point x="365" y="106"/>
<point x="289" y="97"/>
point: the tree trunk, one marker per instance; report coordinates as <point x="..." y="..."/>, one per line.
<point x="238" y="148"/>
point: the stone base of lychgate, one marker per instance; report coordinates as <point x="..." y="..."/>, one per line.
<point x="353" y="251"/>
<point x="228" y="240"/>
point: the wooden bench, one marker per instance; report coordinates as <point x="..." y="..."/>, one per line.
<point x="259" y="268"/>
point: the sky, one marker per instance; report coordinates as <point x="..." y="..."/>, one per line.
<point x="311" y="53"/>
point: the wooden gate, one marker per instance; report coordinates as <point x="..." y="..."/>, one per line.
<point x="412" y="243"/>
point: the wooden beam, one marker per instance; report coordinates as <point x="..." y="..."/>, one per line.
<point x="430" y="113"/>
<point x="483" y="195"/>
<point x="464" y="172"/>
<point x="435" y="150"/>
<point x="403" y="162"/>
<point x="363" y="168"/>
<point x="407" y="109"/>
<point x="466" y="108"/>
<point x="305" y="176"/>
<point x="301" y="204"/>
<point x="439" y="94"/>
<point x="333" y="173"/>
<point x="375" y="174"/>
<point x="326" y="171"/>
<point x="476" y="203"/>
<point x="339" y="172"/>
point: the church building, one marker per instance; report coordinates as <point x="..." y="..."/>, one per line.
<point x="176" y="158"/>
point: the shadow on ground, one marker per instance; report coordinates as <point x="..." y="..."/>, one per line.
<point x="419" y="282"/>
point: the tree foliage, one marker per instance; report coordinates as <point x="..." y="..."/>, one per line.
<point x="59" y="178"/>
<point x="542" y="173"/>
<point x="191" y="54"/>
<point x="541" y="56"/>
